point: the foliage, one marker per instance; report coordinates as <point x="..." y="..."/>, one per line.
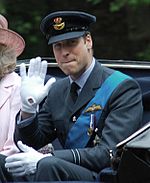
<point x="25" y="19"/>
<point x="144" y="55"/>
<point x="2" y="8"/>
<point x="94" y="1"/>
<point x="118" y="4"/>
<point x="121" y="33"/>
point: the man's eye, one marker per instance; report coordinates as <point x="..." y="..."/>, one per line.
<point x="57" y="46"/>
<point x="73" y="42"/>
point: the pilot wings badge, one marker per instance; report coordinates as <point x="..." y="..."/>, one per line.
<point x="93" y="108"/>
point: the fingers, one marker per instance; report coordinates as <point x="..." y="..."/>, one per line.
<point x="32" y="67"/>
<point x="23" y="147"/>
<point x="19" y="174"/>
<point x="13" y="164"/>
<point x="22" y="70"/>
<point x="37" y="67"/>
<point x="43" y="69"/>
<point x="16" y="168"/>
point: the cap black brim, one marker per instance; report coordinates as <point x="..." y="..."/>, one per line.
<point x="65" y="36"/>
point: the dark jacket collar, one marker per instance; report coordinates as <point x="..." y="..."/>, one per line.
<point x="93" y="83"/>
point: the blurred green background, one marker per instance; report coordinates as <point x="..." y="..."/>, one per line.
<point x="122" y="30"/>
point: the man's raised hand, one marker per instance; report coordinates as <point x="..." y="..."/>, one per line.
<point x="33" y="90"/>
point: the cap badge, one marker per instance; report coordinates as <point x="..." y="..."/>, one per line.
<point x="59" y="25"/>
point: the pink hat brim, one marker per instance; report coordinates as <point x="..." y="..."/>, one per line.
<point x="12" y="39"/>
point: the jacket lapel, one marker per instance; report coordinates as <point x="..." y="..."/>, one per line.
<point x="5" y="89"/>
<point x="68" y="100"/>
<point x="90" y="88"/>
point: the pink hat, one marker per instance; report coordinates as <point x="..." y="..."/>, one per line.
<point x="10" y="38"/>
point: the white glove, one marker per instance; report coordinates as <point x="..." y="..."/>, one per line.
<point x="24" y="163"/>
<point x="33" y="90"/>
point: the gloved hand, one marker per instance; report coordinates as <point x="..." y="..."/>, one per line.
<point x="33" y="90"/>
<point x="24" y="163"/>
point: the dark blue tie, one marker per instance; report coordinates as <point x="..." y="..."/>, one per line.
<point x="73" y="91"/>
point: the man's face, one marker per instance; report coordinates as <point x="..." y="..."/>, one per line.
<point x="74" y="55"/>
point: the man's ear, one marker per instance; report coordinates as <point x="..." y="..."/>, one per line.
<point x="89" y="41"/>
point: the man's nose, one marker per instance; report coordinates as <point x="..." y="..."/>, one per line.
<point x="65" y="51"/>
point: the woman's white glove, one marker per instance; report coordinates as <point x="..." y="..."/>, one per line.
<point x="33" y="90"/>
<point x="24" y="163"/>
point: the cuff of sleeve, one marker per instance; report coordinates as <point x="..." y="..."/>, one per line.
<point x="24" y="122"/>
<point x="76" y="156"/>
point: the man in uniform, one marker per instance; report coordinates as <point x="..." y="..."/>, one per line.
<point x="89" y="111"/>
